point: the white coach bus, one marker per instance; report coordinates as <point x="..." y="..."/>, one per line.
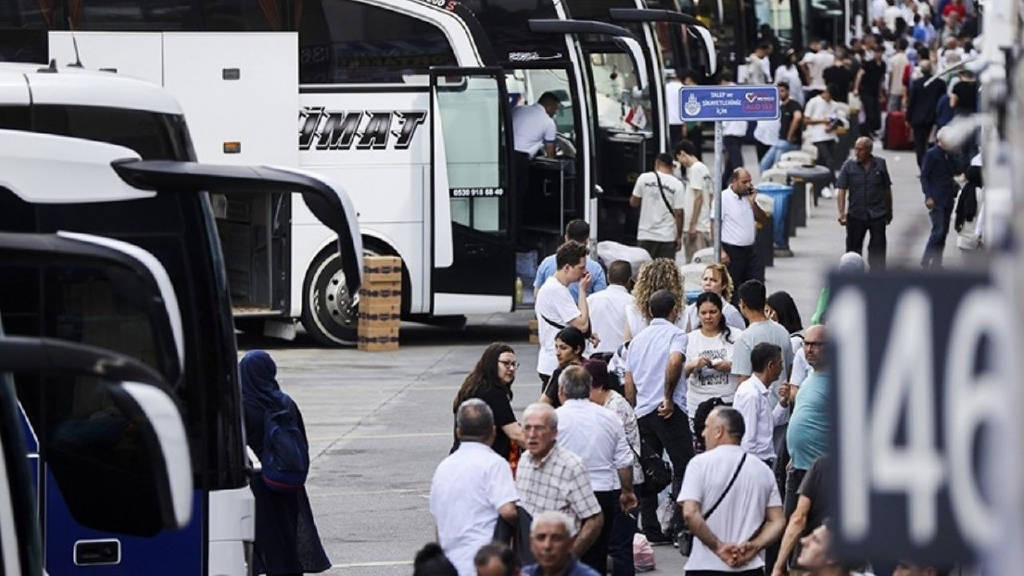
<point x="406" y="104"/>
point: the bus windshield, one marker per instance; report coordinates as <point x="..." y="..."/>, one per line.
<point x="178" y="229"/>
<point x="621" y="105"/>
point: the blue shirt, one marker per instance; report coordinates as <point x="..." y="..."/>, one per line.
<point x="807" y="435"/>
<point x="576" y="568"/>
<point x="937" y="171"/>
<point x="548" y="267"/>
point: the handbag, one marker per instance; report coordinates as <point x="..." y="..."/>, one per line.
<point x="686" y="539"/>
<point x="657" y="474"/>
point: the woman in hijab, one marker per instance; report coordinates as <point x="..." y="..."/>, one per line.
<point x="287" y="541"/>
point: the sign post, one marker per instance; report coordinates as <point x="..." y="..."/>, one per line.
<point x="726" y="104"/>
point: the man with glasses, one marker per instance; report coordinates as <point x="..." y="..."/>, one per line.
<point x="864" y="179"/>
<point x="551" y="478"/>
<point x="807" y="435"/>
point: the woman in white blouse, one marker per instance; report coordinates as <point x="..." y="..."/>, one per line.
<point x="709" y="355"/>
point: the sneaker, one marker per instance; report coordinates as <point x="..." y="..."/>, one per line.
<point x="827" y="192"/>
<point x="657" y="538"/>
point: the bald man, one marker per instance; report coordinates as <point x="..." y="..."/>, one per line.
<point x="864" y="181"/>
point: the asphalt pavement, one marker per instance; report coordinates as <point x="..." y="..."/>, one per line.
<point x="379" y="422"/>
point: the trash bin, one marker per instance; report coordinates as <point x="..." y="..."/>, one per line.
<point x="780" y="194"/>
<point x="817" y="176"/>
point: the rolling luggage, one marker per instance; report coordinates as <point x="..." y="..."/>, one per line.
<point x="897" y="132"/>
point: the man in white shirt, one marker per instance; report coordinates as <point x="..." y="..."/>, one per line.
<point x="729" y="537"/>
<point x="814" y="64"/>
<point x="555" y="308"/>
<point x="659" y="195"/>
<point x="696" y="199"/>
<point x="897" y="68"/>
<point x="740" y="213"/>
<point x="654" y="371"/>
<point x="596" y="435"/>
<point x="533" y="126"/>
<point x="821" y="117"/>
<point x="608" y="308"/>
<point x="471" y="489"/>
<point x="751" y="400"/>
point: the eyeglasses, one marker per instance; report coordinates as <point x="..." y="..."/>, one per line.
<point x="510" y="364"/>
<point x="809" y="343"/>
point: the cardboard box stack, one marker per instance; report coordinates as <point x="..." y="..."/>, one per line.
<point x="380" y="303"/>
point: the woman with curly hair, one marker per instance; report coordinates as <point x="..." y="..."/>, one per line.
<point x="491" y="381"/>
<point x="716" y="279"/>
<point x="659" y="274"/>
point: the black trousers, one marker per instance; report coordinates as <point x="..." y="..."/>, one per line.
<point x="794" y="478"/>
<point x="856" y="229"/>
<point x="755" y="572"/>
<point x="597" y="555"/>
<point x="670" y="435"/>
<point x="734" y="156"/>
<point x="762" y="149"/>
<point x="921" y="134"/>
<point x="744" y="263"/>
<point x="620" y="544"/>
<point x="872" y="114"/>
<point x="659" y="249"/>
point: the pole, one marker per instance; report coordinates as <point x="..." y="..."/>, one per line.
<point x="716" y="179"/>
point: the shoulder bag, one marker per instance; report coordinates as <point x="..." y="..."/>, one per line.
<point x="661" y="190"/>
<point x="686" y="539"/>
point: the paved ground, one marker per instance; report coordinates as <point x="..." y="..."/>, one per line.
<point x="380" y="422"/>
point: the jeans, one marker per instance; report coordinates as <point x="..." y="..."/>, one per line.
<point x="856" y="229"/>
<point x="659" y="435"/>
<point x="775" y="154"/>
<point x="939" y="217"/>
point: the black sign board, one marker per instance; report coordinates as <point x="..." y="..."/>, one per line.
<point x="919" y="387"/>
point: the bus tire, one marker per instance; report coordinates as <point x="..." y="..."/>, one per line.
<point x="328" y="313"/>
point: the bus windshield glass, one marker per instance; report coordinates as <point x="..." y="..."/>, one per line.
<point x="621" y="105"/>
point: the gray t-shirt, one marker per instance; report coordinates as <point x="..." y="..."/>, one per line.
<point x="767" y="331"/>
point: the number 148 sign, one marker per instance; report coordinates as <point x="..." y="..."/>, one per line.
<point x="921" y="395"/>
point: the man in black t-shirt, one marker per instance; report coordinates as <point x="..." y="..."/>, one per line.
<point x="840" y="75"/>
<point x="868" y="85"/>
<point x="812" y="507"/>
<point x="790" y="129"/>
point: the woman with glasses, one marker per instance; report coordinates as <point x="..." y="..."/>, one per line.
<point x="491" y="381"/>
<point x="569" y="347"/>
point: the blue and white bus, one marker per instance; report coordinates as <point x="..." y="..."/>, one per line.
<point x="52" y="183"/>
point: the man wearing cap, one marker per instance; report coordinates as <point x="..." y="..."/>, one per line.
<point x="660" y="197"/>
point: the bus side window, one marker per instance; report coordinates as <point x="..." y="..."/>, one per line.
<point x="341" y="41"/>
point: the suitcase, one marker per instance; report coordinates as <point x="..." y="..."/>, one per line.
<point x="897" y="132"/>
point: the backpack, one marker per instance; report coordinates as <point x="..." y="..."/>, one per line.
<point x="285" y="451"/>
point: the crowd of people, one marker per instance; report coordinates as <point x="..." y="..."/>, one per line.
<point x="717" y="407"/>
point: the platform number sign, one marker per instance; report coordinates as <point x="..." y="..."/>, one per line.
<point x="920" y="395"/>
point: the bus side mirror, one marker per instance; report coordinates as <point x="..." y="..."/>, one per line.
<point x="111" y="434"/>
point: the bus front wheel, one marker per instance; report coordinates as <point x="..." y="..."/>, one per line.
<point x="330" y="313"/>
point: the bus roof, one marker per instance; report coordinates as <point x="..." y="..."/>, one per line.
<point x="24" y="84"/>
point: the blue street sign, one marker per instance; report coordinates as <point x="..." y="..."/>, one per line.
<point x="722" y="103"/>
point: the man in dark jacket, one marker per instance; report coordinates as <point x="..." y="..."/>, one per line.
<point x="921" y="105"/>
<point x="939" y="167"/>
